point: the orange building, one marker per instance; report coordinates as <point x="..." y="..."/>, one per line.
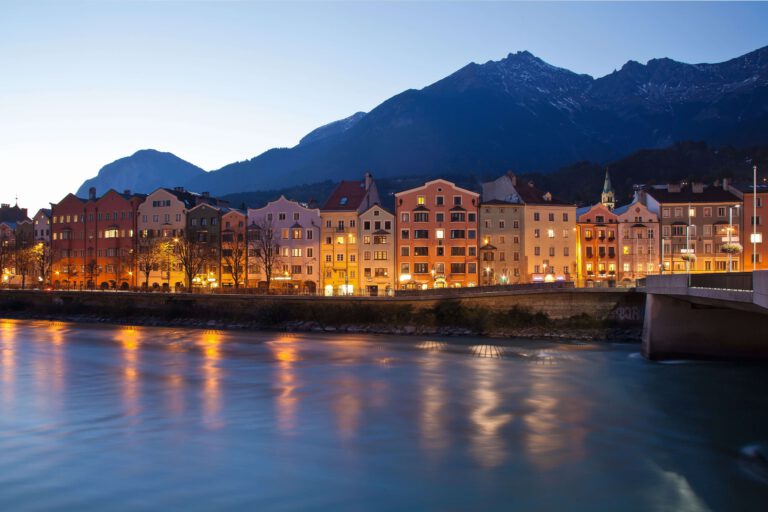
<point x="598" y="255"/>
<point x="437" y="236"/>
<point x="755" y="227"/>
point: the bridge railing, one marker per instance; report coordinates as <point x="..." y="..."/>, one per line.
<point x="741" y="281"/>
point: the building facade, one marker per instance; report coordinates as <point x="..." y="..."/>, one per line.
<point x="339" y="246"/>
<point x="376" y="236"/>
<point x="234" y="248"/>
<point x="295" y="229"/>
<point x="437" y="236"/>
<point x="638" y="242"/>
<point x="756" y="227"/>
<point x="597" y="246"/>
<point x="204" y="235"/>
<point x="701" y="226"/>
<point x="501" y="239"/>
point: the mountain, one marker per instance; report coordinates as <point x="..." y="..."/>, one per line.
<point x="524" y="114"/>
<point x="142" y="172"/>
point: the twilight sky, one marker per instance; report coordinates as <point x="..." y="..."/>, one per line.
<point x="84" y="83"/>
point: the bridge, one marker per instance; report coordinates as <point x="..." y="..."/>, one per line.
<point x="706" y="316"/>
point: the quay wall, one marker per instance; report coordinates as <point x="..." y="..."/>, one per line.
<point x="481" y="312"/>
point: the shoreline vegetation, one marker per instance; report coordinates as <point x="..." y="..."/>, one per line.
<point x="449" y="317"/>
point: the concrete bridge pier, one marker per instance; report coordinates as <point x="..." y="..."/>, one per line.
<point x="716" y="317"/>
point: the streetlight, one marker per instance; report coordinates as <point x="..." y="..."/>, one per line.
<point x="754" y="217"/>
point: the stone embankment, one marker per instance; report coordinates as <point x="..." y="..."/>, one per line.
<point x="571" y="314"/>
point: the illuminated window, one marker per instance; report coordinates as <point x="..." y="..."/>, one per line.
<point x="551" y="233"/>
<point x="420" y="199"/>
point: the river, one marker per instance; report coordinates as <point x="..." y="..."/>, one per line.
<point x="96" y="418"/>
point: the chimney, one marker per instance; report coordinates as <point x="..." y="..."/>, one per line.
<point x="92" y="193"/>
<point x="726" y="183"/>
<point x="697" y="188"/>
<point x="368" y="180"/>
<point x="673" y="187"/>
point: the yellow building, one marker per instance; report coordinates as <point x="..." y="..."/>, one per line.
<point x="339" y="248"/>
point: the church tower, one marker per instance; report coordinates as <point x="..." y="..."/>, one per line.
<point x="608" y="197"/>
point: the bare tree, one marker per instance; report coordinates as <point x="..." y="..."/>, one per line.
<point x="6" y="255"/>
<point x="192" y="255"/>
<point x="41" y="254"/>
<point x="24" y="263"/>
<point x="267" y="248"/>
<point x="234" y="252"/>
<point x="151" y="253"/>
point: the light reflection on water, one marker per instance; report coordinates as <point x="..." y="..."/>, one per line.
<point x="130" y="418"/>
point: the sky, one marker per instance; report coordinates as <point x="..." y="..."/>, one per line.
<point x="83" y="83"/>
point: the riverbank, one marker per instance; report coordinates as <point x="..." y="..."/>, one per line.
<point x="572" y="314"/>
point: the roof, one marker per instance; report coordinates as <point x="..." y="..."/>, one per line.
<point x="439" y="180"/>
<point x="709" y="194"/>
<point x="347" y="196"/>
<point x="192" y="199"/>
<point x="532" y="195"/>
<point x="12" y="213"/>
<point x="620" y="210"/>
<point x="499" y="202"/>
<point x="747" y="188"/>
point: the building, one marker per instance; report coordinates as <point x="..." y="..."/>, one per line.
<point x="234" y="248"/>
<point x="501" y="238"/>
<point x="548" y="248"/>
<point x="376" y="235"/>
<point x="204" y="235"/>
<point x="638" y="242"/>
<point x="339" y="247"/>
<point x="701" y="226"/>
<point x="597" y="246"/>
<point x="291" y="231"/>
<point x="13" y="213"/>
<point x="756" y="227"/>
<point x="42" y="226"/>
<point x="162" y="222"/>
<point x="93" y="242"/>
<point x="437" y="236"/>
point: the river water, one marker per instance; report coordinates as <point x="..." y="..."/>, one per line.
<point x="120" y="418"/>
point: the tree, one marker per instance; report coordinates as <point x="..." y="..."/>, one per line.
<point x="267" y="248"/>
<point x="24" y="263"/>
<point x="6" y="256"/>
<point x="234" y="252"/>
<point x="41" y="256"/>
<point x="151" y="253"/>
<point x="192" y="255"/>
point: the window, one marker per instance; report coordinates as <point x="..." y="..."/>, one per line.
<point x="565" y="217"/>
<point x="473" y="251"/>
<point x="665" y="212"/>
<point x="472" y="268"/>
<point x="405" y="268"/>
<point x="471" y="234"/>
<point x="419" y="200"/>
<point x="458" y="251"/>
<point x="421" y="251"/>
<point x="691" y="211"/>
<point x="295" y="269"/>
<point x="721" y="211"/>
<point x="457" y="200"/>
<point x="404" y="234"/>
<point x="552" y="251"/>
<point x="536" y="216"/>
<point x="566" y="251"/>
<point x="421" y="268"/>
<point x="296" y="252"/>
<point x="537" y="251"/>
<point x="284" y="233"/>
<point x="405" y="217"/>
<point x="380" y="255"/>
<point x="550" y="233"/>
<point x="420" y="233"/>
<point x="310" y="252"/>
<point x="458" y="268"/>
<point x="472" y="217"/>
<point x="458" y="234"/>
<point x="405" y="251"/>
<point x="309" y="234"/>
<point x="457" y="217"/>
<point x="296" y="233"/>
<point x="502" y="225"/>
<point x="309" y="269"/>
<point x="678" y="211"/>
<point x="339" y="257"/>
<point x="537" y="233"/>
<point x="420" y="217"/>
<point x="439" y="200"/>
<point x="367" y="255"/>
<point x="551" y="217"/>
<point x="440" y="234"/>
<point x="380" y="272"/>
<point x="440" y="217"/>
<point x="367" y="225"/>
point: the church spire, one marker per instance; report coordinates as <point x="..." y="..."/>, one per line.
<point x="608" y="197"/>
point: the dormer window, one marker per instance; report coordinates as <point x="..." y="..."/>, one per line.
<point x="548" y="197"/>
<point x="343" y="201"/>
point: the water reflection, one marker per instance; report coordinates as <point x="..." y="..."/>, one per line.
<point x="285" y="353"/>
<point x="433" y="420"/>
<point x="8" y="359"/>
<point x="487" y="444"/>
<point x="210" y="342"/>
<point x="130" y="339"/>
<point x="555" y="431"/>
<point x="347" y="406"/>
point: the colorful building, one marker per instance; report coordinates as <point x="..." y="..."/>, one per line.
<point x="376" y="236"/>
<point x="701" y="226"/>
<point x="638" y="242"/>
<point x="339" y="247"/>
<point x="295" y="229"/>
<point x="501" y="238"/>
<point x="755" y="227"/>
<point x="93" y="240"/>
<point x="597" y="247"/>
<point x="234" y="248"/>
<point x="437" y="236"/>
<point x="204" y="234"/>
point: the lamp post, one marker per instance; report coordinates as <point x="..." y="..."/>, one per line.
<point x="754" y="217"/>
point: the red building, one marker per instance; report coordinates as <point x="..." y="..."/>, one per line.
<point x="93" y="242"/>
